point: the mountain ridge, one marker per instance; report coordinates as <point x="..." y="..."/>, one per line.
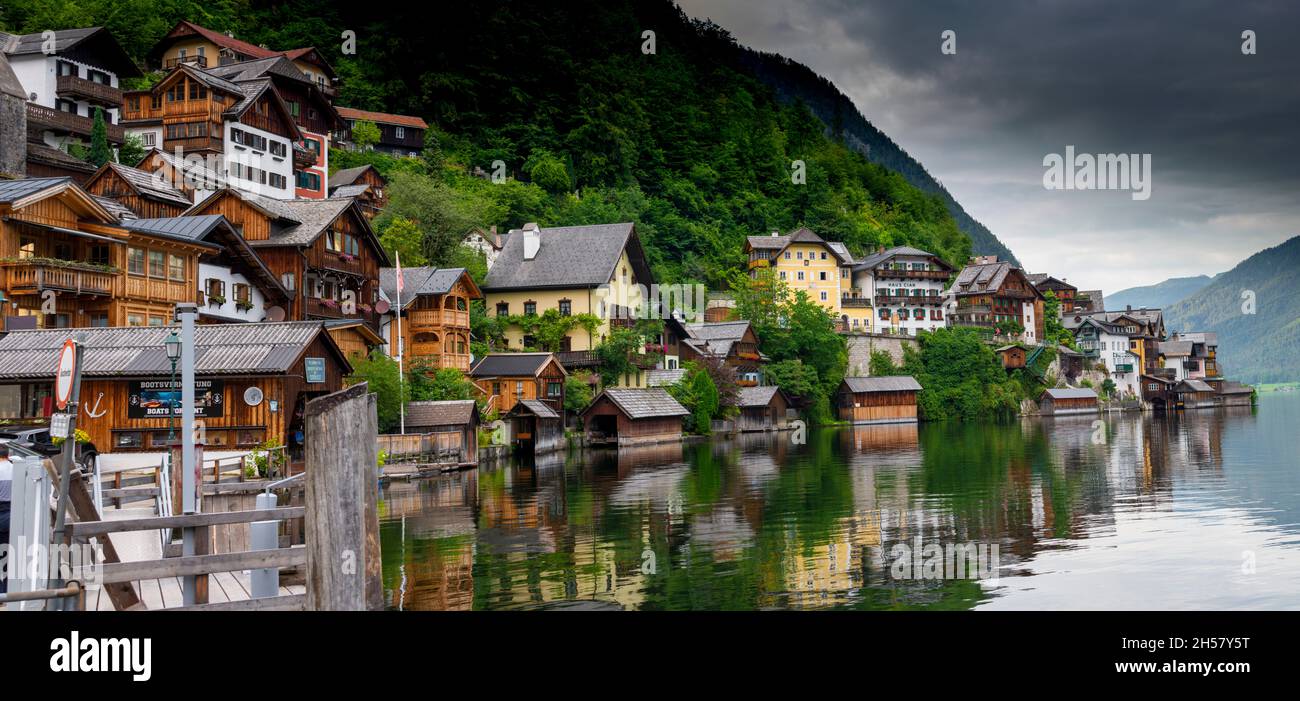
<point x="1160" y="295"/>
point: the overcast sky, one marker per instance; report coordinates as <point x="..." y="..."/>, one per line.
<point x="1030" y="78"/>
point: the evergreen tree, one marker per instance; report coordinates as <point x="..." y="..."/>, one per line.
<point x="100" y="152"/>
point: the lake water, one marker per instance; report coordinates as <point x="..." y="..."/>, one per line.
<point x="1194" y="510"/>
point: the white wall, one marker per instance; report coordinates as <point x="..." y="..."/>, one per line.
<point x="229" y="310"/>
<point x="239" y="153"/>
<point x="868" y="286"/>
<point x="38" y="73"/>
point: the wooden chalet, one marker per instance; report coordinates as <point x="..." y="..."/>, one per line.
<point x="536" y="428"/>
<point x="992" y="294"/>
<point x="190" y="176"/>
<point x="67" y="262"/>
<point x="878" y="400"/>
<point x="354" y="337"/>
<point x="762" y="409"/>
<point x="624" y="416"/>
<point x="399" y="134"/>
<point x="252" y="382"/>
<point x="190" y="44"/>
<point x="508" y="378"/>
<point x="1012" y="357"/>
<point x="363" y="184"/>
<point x="323" y="251"/>
<point x="1057" y="401"/>
<point x="1064" y="291"/>
<point x="733" y="342"/>
<point x="147" y="195"/>
<point x="435" y="315"/>
<point x="453" y="425"/>
<point x="1194" y="394"/>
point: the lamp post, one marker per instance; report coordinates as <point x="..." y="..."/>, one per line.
<point x="173" y="346"/>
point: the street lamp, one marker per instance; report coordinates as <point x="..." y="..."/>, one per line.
<point x="173" y="346"/>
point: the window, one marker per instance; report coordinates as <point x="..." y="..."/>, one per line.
<point x="197" y="91"/>
<point x="519" y="388"/>
<point x="149" y="139"/>
<point x="800" y="274"/>
<point x="530" y="308"/>
<point x="799" y="255"/>
<point x="308" y="181"/>
<point x="155" y="320"/>
<point x="66" y="68"/>
<point x="99" y="319"/>
<point x="155" y="101"/>
<point x="902" y="314"/>
<point x="399" y="132"/>
<point x="312" y="145"/>
<point x="26" y="248"/>
<point x="157" y="264"/>
<point x="884" y="315"/>
<point x="176" y="268"/>
<point x="918" y="314"/>
<point x="134" y="261"/>
<point x="823" y="255"/>
<point x="278" y="181"/>
<point x="332" y="240"/>
<point x="278" y="148"/>
<point x="133" y="319"/>
<point x="554" y="389"/>
<point x="215" y="287"/>
<point x="243" y="293"/>
<point x="823" y="296"/>
<point x="503" y="309"/>
<point x="782" y="274"/>
<point x="787" y="255"/>
<point x="293" y="107"/>
<point x="822" y="275"/>
<point x="129" y="439"/>
<point x="496" y="388"/>
<point x="566" y="307"/>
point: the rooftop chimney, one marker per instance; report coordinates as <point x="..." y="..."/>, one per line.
<point x="532" y="240"/>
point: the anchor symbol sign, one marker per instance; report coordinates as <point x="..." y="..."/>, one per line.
<point x="94" y="412"/>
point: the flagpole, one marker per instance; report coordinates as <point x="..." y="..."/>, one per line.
<point x="401" y="351"/>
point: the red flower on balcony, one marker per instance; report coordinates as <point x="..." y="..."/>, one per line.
<point x="329" y="303"/>
<point x="347" y="257"/>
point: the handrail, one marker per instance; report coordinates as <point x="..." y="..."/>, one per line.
<point x="71" y="589"/>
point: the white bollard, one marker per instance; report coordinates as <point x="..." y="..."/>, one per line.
<point x="265" y="535"/>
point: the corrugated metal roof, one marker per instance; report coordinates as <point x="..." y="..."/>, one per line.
<point x="191" y="228"/>
<point x="221" y="349"/>
<point x="888" y="383"/>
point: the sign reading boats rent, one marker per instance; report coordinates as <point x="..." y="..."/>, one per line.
<point x="153" y="399"/>
<point x="67" y="369"/>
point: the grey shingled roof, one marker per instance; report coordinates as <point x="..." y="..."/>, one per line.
<point x="644" y="403"/>
<point x="1176" y="348"/>
<point x="66" y="39"/>
<point x="888" y="383"/>
<point x="348" y="176"/>
<point x="1070" y="393"/>
<point x="137" y="351"/>
<point x="195" y="170"/>
<point x="456" y="412"/>
<point x="718" y="330"/>
<point x="540" y="409"/>
<point x="14" y="190"/>
<point x="40" y="153"/>
<point x="349" y="190"/>
<point x="420" y="280"/>
<point x="120" y="211"/>
<point x="1196" y="385"/>
<point x="150" y="186"/>
<point x="259" y="68"/>
<point x="876" y="259"/>
<point x="308" y="219"/>
<point x="755" y="396"/>
<point x="768" y="242"/>
<point x="660" y="377"/>
<point x="510" y="364"/>
<point x="569" y="256"/>
<point x="976" y="279"/>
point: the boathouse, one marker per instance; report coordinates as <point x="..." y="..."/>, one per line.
<point x="1013" y="357"/>
<point x="535" y="427"/>
<point x="253" y="381"/>
<point x="1194" y="394"/>
<point x="1235" y="394"/>
<point x="1057" y="401"/>
<point x="629" y="416"/>
<point x="450" y="429"/>
<point x="878" y="400"/>
<point x="508" y="378"/>
<point x="761" y="409"/>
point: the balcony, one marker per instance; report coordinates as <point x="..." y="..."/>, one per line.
<point x="199" y="61"/>
<point x="913" y="274"/>
<point x="974" y="309"/>
<point x="59" y="121"/>
<point x="332" y="309"/>
<point x="193" y="143"/>
<point x="908" y="299"/>
<point x="79" y="88"/>
<point x="38" y="276"/>
<point x="156" y="290"/>
<point x="577" y="359"/>
<point x="855" y="302"/>
<point x="439" y="317"/>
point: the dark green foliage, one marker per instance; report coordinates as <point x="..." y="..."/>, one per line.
<point x="578" y="391"/>
<point x="100" y="151"/>
<point x="961" y="378"/>
<point x="385" y="383"/>
<point x="442" y="384"/>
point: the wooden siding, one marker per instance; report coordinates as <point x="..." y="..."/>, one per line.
<point x="110" y="184"/>
<point x="877" y="407"/>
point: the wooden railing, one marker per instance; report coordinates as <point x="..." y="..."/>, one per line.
<point x="57" y="120"/>
<point x="200" y="61"/>
<point x="193" y="143"/>
<point x="922" y="274"/>
<point x="158" y="290"/>
<point x="855" y="302"/>
<point x="909" y="299"/>
<point x="576" y="359"/>
<point x="89" y="90"/>
<point x="36" y="277"/>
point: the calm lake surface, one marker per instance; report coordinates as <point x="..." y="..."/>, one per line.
<point x="1196" y="510"/>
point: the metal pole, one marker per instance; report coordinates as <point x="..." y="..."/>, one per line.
<point x="187" y="312"/>
<point x="65" y="471"/>
<point x="265" y="535"/>
<point x="171" y="409"/>
<point x="401" y="355"/>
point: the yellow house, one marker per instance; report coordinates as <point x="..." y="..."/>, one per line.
<point x="599" y="269"/>
<point x="804" y="261"/>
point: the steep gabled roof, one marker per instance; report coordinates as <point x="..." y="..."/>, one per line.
<point x="511" y="365"/>
<point x="348" y="176"/>
<point x="215" y="230"/>
<point x="756" y="396"/>
<point x="423" y="280"/>
<point x="455" y="412"/>
<point x="185" y="28"/>
<point x="648" y="403"/>
<point x="143" y="183"/>
<point x="96" y="42"/>
<point x="20" y="193"/>
<point x="875" y="259"/>
<point x="537" y="408"/>
<point x="569" y="256"/>
<point x="801" y="235"/>
<point x="303" y="221"/>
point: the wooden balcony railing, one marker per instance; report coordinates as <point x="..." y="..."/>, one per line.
<point x="577" y="359"/>
<point x="78" y="87"/>
<point x="156" y="290"/>
<point x="438" y="317"/>
<point x="200" y="61"/>
<point x="65" y="122"/>
<point x="25" y="277"/>
<point x="909" y="299"/>
<point x="855" y="302"/>
<point x="918" y="274"/>
<point x="193" y="143"/>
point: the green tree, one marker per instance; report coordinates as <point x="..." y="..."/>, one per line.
<point x="401" y="237"/>
<point x="441" y="384"/>
<point x="365" y="134"/>
<point x="384" y="379"/>
<point x="131" y="152"/>
<point x="549" y="173"/>
<point x="100" y="152"/>
<point x="578" y="391"/>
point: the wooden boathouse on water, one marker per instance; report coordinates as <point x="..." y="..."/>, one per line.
<point x="628" y="416"/>
<point x="535" y="427"/>
<point x="762" y="409"/>
<point x="445" y="430"/>
<point x="1057" y="401"/>
<point x="878" y="400"/>
<point x="253" y="382"/>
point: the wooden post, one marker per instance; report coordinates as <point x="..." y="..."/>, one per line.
<point x="342" y="494"/>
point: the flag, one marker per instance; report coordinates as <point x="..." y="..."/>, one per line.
<point x="399" y="271"/>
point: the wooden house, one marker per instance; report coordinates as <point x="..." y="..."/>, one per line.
<point x="354" y="337"/>
<point x="536" y="428"/>
<point x="190" y="44"/>
<point x="996" y="295"/>
<point x="1064" y="291"/>
<point x="147" y="195"/>
<point x="1235" y="394"/>
<point x="323" y="251"/>
<point x="762" y="409"/>
<point x="1194" y="394"/>
<point x="1068" y="400"/>
<point x="624" y="416"/>
<point x="453" y="426"/>
<point x="434" y="313"/>
<point x="508" y="378"/>
<point x="733" y="342"/>
<point x="878" y="400"/>
<point x="365" y="185"/>
<point x="399" y="134"/>
<point x="1012" y="357"/>
<point x="252" y="382"/>
<point x="67" y="261"/>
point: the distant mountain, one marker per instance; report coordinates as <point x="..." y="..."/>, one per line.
<point x="1159" y="295"/>
<point x="1259" y="347"/>
<point x="794" y="81"/>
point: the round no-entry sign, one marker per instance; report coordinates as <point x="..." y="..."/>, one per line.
<point x="67" y="368"/>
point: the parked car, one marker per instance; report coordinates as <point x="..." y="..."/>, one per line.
<point x="37" y="439"/>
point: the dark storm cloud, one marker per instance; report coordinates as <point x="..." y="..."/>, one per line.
<point x="1029" y="78"/>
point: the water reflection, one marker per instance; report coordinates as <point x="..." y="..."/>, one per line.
<point x="1125" y="511"/>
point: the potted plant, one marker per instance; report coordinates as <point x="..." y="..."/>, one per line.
<point x="243" y="306"/>
<point x="216" y="300"/>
